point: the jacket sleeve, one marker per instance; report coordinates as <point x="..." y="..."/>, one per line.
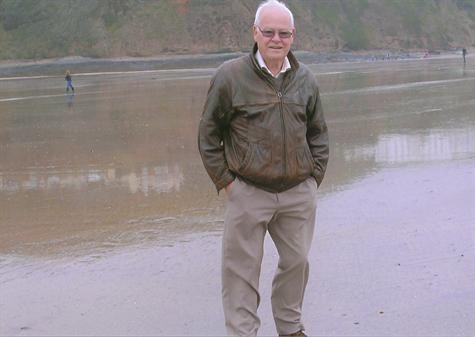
<point x="317" y="135"/>
<point x="213" y="125"/>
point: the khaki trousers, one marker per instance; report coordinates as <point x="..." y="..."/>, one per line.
<point x="289" y="217"/>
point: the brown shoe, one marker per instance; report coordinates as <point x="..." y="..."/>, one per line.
<point x="300" y="333"/>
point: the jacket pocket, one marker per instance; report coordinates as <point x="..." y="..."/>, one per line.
<point x="303" y="163"/>
<point x="247" y="159"/>
<point x="257" y="164"/>
<point x="309" y="158"/>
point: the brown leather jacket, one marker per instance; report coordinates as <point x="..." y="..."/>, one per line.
<point x="272" y="138"/>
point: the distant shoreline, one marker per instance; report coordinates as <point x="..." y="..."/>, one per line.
<point x="76" y="64"/>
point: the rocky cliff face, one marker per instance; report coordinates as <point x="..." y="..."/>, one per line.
<point x="33" y="29"/>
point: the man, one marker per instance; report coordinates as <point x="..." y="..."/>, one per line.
<point x="263" y="138"/>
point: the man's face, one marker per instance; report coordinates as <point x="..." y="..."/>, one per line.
<point x="275" y="48"/>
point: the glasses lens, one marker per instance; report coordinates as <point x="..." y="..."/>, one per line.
<point x="285" y="34"/>
<point x="268" y="32"/>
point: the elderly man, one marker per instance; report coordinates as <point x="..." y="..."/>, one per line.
<point x="263" y="138"/>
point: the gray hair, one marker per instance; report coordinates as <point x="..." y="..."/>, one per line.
<point x="275" y="3"/>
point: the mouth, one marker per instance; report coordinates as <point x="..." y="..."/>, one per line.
<point x="275" y="47"/>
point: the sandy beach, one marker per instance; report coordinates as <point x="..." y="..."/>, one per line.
<point x="110" y="226"/>
<point x="384" y="263"/>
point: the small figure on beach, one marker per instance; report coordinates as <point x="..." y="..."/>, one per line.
<point x="264" y="140"/>
<point x="69" y="81"/>
<point x="464" y="53"/>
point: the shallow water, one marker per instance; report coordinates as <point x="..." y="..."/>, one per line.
<point x="117" y="163"/>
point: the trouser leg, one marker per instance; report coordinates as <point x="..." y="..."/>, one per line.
<point x="248" y="211"/>
<point x="292" y="233"/>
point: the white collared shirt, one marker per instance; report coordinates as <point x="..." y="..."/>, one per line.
<point x="285" y="66"/>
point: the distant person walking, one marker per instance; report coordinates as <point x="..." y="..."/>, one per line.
<point x="464" y="53"/>
<point x="69" y="81"/>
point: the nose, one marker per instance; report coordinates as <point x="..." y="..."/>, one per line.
<point x="276" y="37"/>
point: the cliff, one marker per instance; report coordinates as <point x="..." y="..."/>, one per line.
<point x="37" y="29"/>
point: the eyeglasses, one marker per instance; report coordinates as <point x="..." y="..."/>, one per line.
<point x="269" y="33"/>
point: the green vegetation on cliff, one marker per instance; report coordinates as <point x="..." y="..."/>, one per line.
<point x="35" y="29"/>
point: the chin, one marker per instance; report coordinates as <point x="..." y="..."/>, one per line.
<point x="276" y="53"/>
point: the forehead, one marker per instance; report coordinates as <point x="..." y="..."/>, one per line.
<point x="275" y="17"/>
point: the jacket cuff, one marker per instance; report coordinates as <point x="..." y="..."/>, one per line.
<point x="318" y="177"/>
<point x="225" y="181"/>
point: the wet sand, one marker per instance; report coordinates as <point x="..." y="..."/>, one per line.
<point x="384" y="263"/>
<point x="109" y="224"/>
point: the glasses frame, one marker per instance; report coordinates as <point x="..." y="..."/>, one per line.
<point x="283" y="34"/>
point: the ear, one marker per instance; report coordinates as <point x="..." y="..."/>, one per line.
<point x="254" y="33"/>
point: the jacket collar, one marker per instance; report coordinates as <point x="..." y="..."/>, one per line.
<point x="260" y="60"/>
<point x="294" y="64"/>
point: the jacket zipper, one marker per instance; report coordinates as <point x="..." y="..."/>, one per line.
<point x="281" y="110"/>
<point x="284" y="154"/>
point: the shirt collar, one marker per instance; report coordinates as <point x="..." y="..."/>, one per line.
<point x="285" y="66"/>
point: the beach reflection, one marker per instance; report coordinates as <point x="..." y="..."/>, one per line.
<point x="148" y="180"/>
<point x="434" y="145"/>
<point x="117" y="164"/>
